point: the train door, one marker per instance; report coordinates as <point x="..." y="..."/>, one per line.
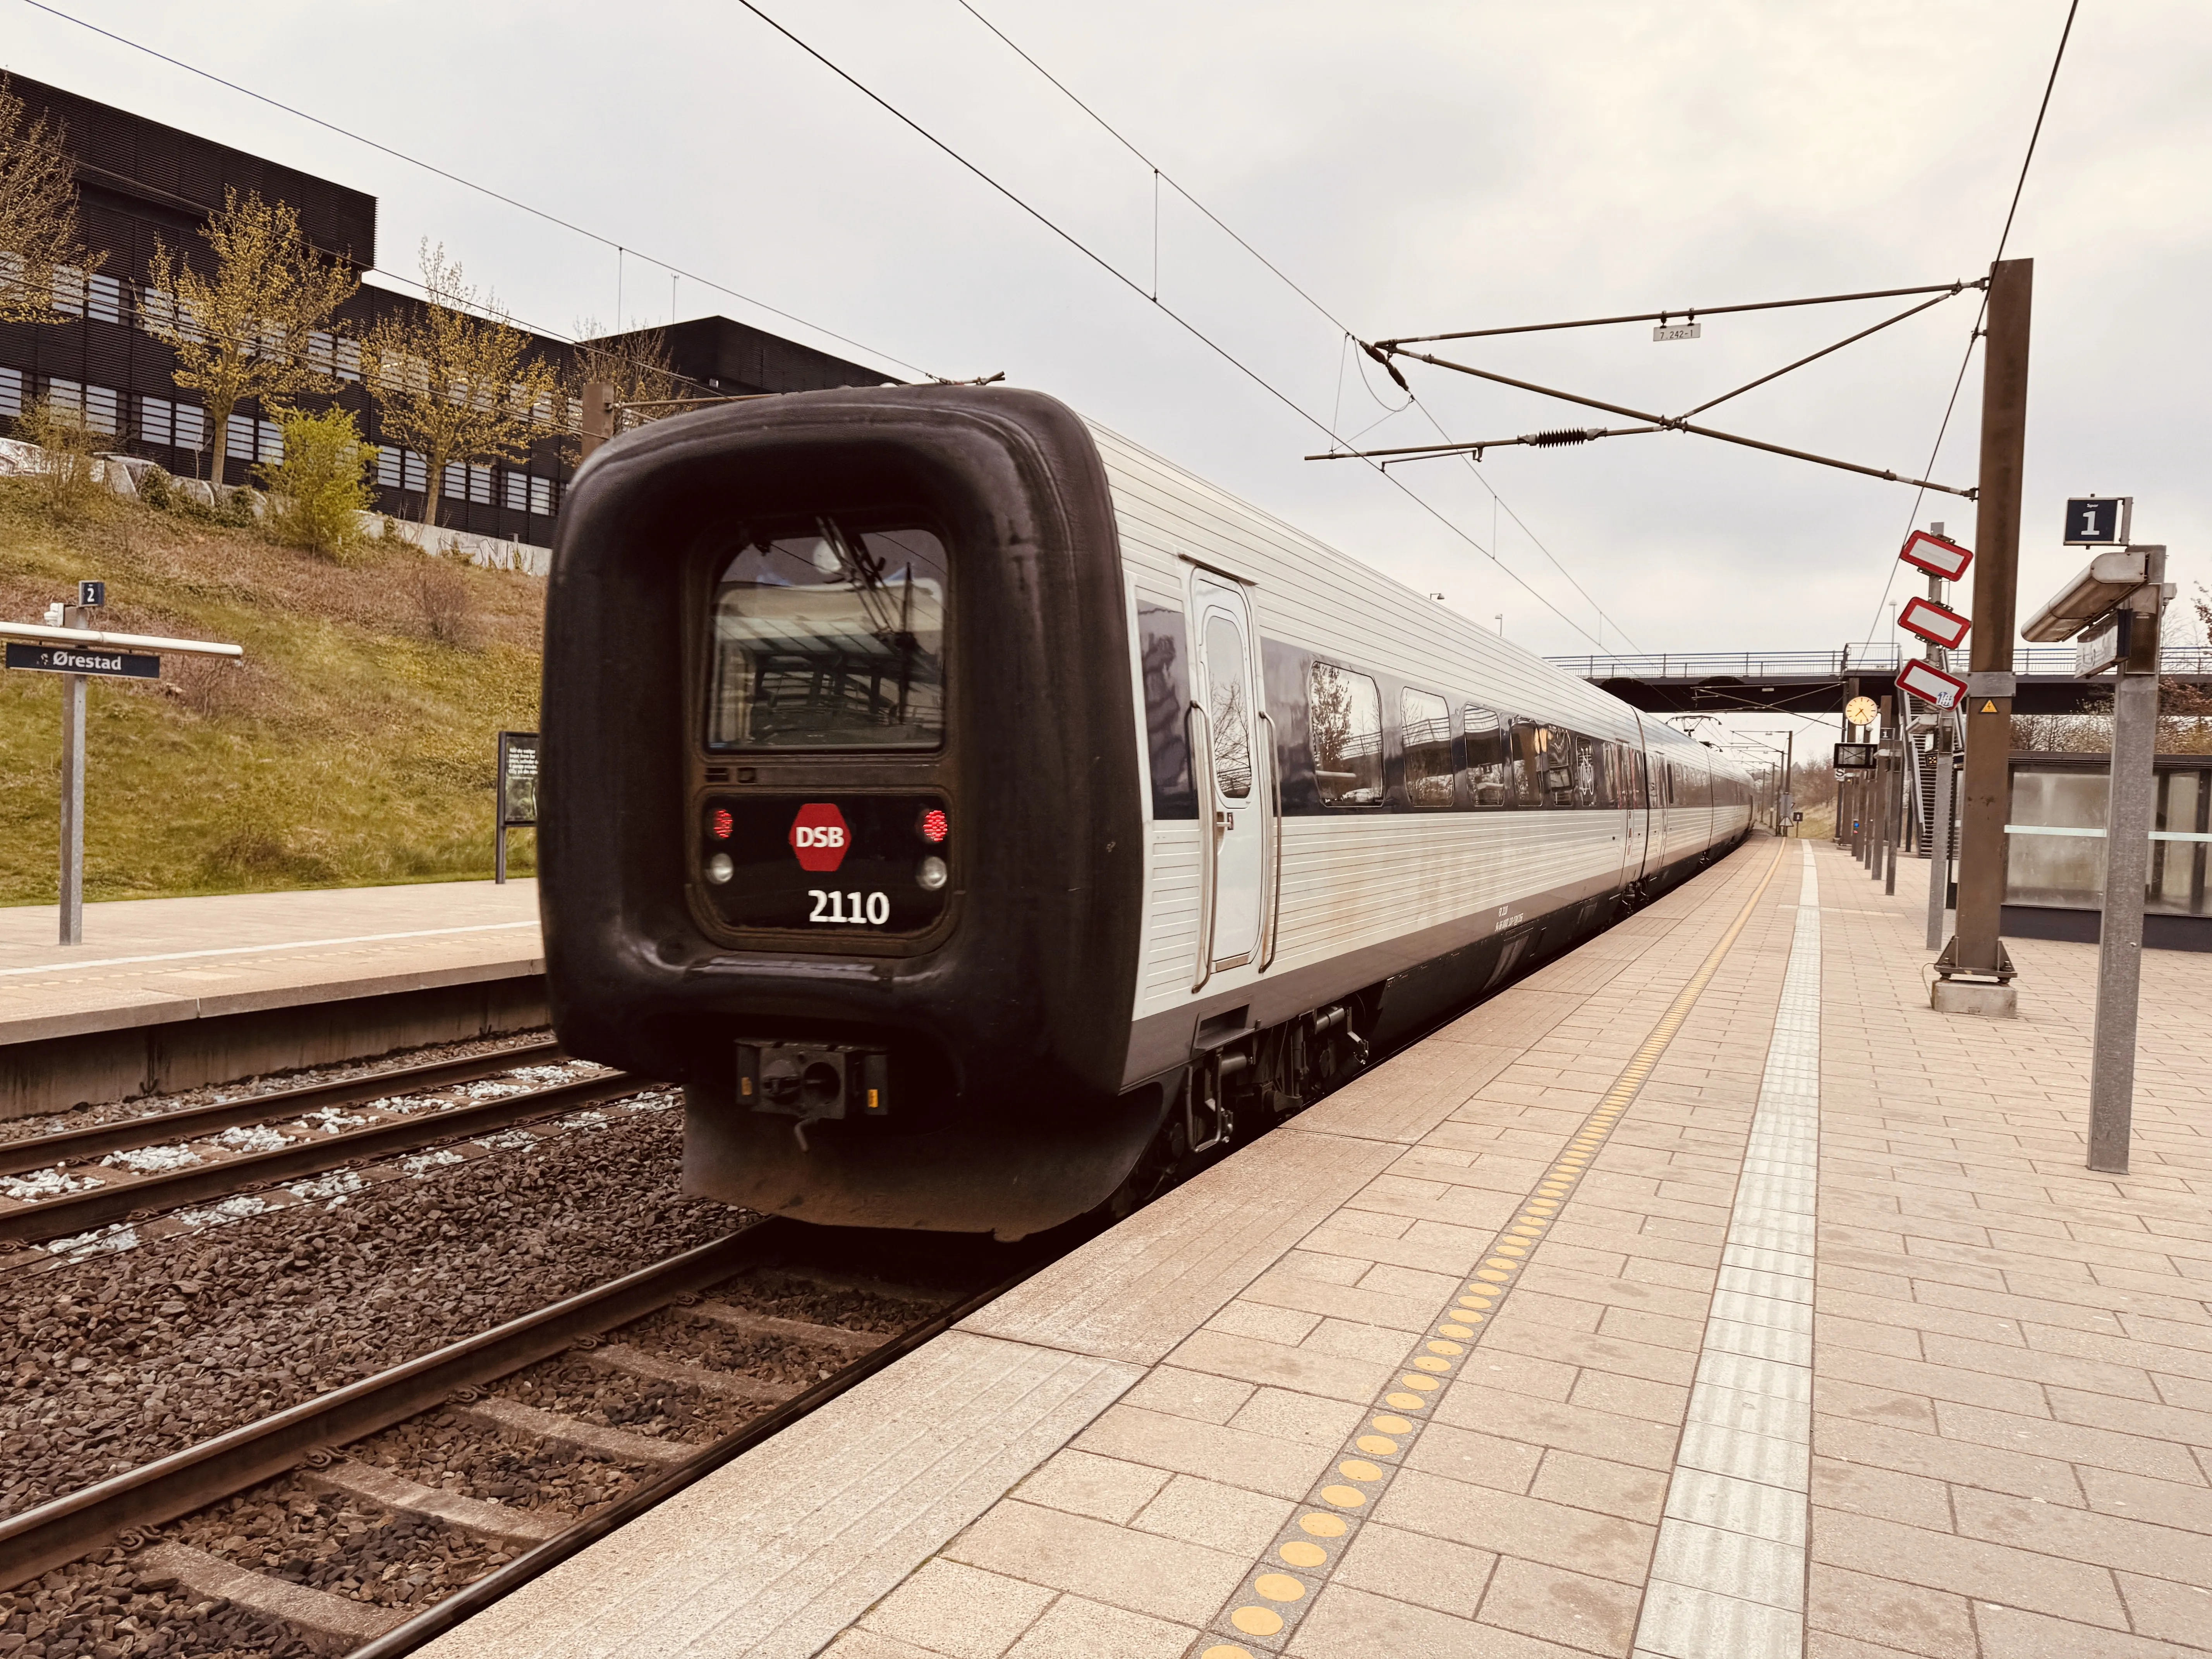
<point x="1229" y="683"/>
<point x="1636" y="796"/>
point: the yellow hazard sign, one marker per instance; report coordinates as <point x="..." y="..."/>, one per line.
<point x="1989" y="707"/>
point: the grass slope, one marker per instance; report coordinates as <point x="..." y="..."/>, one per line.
<point x="354" y="745"/>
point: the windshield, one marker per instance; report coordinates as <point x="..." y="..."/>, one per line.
<point x="830" y="640"/>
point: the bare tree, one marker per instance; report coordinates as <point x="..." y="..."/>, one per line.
<point x="249" y="329"/>
<point x="455" y="380"/>
<point x="37" y="217"/>
<point x="646" y="386"/>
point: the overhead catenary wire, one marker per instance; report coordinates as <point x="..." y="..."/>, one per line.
<point x="1350" y="335"/>
<point x="1981" y="314"/>
<point x="465" y="183"/>
<point x="1138" y="289"/>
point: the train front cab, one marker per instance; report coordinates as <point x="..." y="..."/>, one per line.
<point x="839" y="819"/>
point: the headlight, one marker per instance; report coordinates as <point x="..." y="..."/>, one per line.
<point x="933" y="874"/>
<point x="720" y="869"/>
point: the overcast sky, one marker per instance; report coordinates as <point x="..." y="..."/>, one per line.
<point x="1415" y="168"/>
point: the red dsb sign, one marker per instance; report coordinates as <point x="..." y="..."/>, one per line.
<point x="820" y="837"/>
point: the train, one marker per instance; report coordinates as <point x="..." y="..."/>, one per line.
<point x="986" y="822"/>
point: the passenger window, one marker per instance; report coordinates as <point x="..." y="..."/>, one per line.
<point x="1167" y="694"/>
<point x="1228" y="707"/>
<point x="1344" y="712"/>
<point x="1489" y="761"/>
<point x="1424" y="733"/>
<point x="1557" y="754"/>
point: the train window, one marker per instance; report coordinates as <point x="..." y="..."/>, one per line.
<point x="1489" y="759"/>
<point x="1344" y="712"/>
<point x="1532" y="745"/>
<point x="1166" y="648"/>
<point x="1561" y="763"/>
<point x="1425" y="736"/>
<point x="1228" y="707"/>
<point x="830" y="640"/>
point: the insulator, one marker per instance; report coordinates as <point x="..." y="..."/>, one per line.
<point x="1565" y="434"/>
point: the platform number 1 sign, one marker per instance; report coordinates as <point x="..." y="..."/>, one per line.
<point x="2098" y="520"/>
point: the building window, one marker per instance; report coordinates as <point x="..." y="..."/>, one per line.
<point x="11" y="391"/>
<point x="101" y="406"/>
<point x="456" y="485"/>
<point x="272" y="443"/>
<point x="348" y="357"/>
<point x="68" y="290"/>
<point x="104" y="299"/>
<point x="480" y="485"/>
<point x="402" y="469"/>
<point x="542" y="496"/>
<point x="515" y="496"/>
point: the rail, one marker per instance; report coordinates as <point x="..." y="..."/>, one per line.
<point x="2054" y="661"/>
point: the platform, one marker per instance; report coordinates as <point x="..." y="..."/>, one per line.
<point x="1704" y="1295"/>
<point x="172" y="993"/>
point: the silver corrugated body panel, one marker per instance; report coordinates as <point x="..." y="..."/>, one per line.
<point x="1359" y="881"/>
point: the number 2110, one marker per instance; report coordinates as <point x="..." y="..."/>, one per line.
<point x="830" y="905"/>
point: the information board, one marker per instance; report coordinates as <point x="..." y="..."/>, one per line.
<point x="518" y="780"/>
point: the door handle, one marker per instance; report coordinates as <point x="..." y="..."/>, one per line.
<point x="1225" y="822"/>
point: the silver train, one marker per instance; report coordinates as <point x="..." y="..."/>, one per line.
<point x="986" y="821"/>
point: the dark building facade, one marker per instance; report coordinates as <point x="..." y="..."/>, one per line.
<point x="140" y="182"/>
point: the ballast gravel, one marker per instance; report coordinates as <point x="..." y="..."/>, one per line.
<point x="120" y="1357"/>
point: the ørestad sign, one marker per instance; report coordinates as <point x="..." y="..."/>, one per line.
<point x="76" y="660"/>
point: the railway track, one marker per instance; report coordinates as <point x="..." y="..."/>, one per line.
<point x="644" y="1331"/>
<point x="51" y="1189"/>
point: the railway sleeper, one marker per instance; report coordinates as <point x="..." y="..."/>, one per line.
<point x="591" y="1439"/>
<point x="725" y="1318"/>
<point x="327" y="1623"/>
<point x="635" y="1362"/>
<point x="497" y="1522"/>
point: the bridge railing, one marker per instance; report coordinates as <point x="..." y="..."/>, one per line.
<point x="2045" y="660"/>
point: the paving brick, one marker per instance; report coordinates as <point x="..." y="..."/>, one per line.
<point x="1259" y="1462"/>
<point x="2015" y="1633"/>
<point x="1356" y="1624"/>
<point x="1410" y="1566"/>
<point x="2169" y="1502"/>
<point x="1631" y="1396"/>
<point x="860" y="1643"/>
<point x="1550" y="1423"/>
<point x="2110" y="1540"/>
<point x="1078" y="1629"/>
<point x="1864" y="1489"/>
<point x="1507" y="1372"/>
<point x="950" y="1608"/>
<point x="1139" y="1572"/>
<point x="1517" y="1332"/>
<point x="1888" y="1407"/>
<point x="1194" y="1394"/>
<point x="1969" y="1385"/>
<point x="1527" y="1527"/>
<point x="1286" y="1326"/>
<point x="2076" y="1443"/>
<point x="2068" y="1371"/>
<point x="1560" y="1605"/>
<point x="2168" y="1612"/>
<point x="1290" y="1415"/>
<point x="1600" y="1484"/>
<point x="2150" y="1419"/>
<point x="1104" y="1488"/>
<point x="1221" y="1518"/>
<point x="1250" y="1360"/>
<point x="1347" y="1339"/>
<point x="1482" y="1460"/>
<point x="1968" y="1567"/>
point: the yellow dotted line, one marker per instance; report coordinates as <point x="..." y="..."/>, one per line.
<point x="1386" y="1434"/>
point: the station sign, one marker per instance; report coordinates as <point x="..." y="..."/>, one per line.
<point x="77" y="659"/>
<point x="518" y="780"/>
<point x="2095" y="653"/>
<point x="1936" y="624"/>
<point x="2098" y="520"/>
<point x="1931" y="685"/>
<point x="1936" y="555"/>
<point x="1856" y="756"/>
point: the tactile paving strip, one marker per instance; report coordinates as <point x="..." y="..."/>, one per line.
<point x="1263" y="1615"/>
<point x="1728" y="1573"/>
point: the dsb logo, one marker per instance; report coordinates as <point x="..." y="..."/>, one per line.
<point x="820" y="837"/>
